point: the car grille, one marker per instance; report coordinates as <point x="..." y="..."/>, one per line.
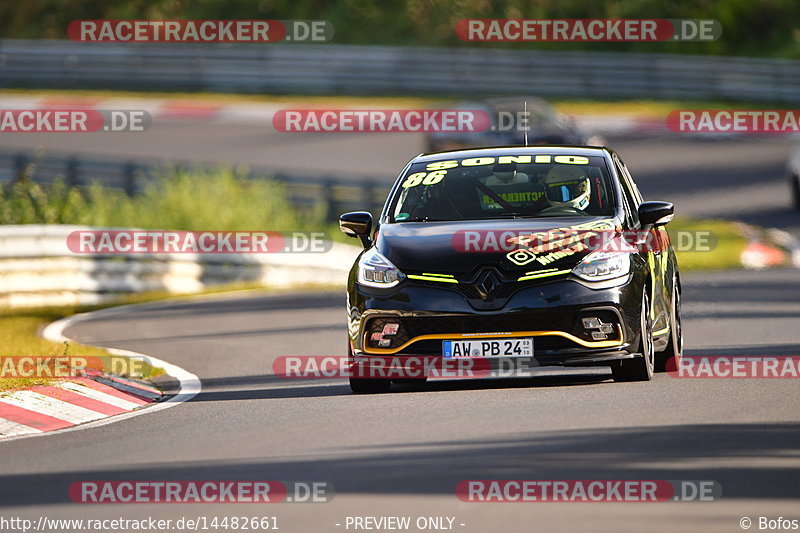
<point x="504" y="292"/>
<point x="496" y="300"/>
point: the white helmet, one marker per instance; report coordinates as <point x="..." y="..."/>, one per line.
<point x="506" y="174"/>
<point x="567" y="186"/>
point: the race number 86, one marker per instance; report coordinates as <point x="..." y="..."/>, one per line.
<point x="425" y="178"/>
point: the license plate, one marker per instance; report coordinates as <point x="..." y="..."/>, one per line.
<point x="456" y="349"/>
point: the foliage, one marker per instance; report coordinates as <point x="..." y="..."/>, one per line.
<point x="763" y="28"/>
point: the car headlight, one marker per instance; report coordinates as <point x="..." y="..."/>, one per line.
<point x="601" y="266"/>
<point x="374" y="270"/>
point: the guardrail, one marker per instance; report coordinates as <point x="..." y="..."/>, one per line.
<point x="38" y="269"/>
<point x="337" y="195"/>
<point x="347" y="69"/>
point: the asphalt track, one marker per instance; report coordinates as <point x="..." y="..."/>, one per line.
<point x="402" y="453"/>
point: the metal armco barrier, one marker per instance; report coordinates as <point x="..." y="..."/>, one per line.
<point x="347" y="69"/>
<point x="38" y="269"/>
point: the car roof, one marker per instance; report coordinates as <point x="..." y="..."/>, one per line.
<point x="493" y="151"/>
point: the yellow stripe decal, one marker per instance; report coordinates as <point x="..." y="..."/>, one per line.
<point x="543" y="275"/>
<point x="446" y="336"/>
<point x="431" y="278"/>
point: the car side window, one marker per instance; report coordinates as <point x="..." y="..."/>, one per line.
<point x="634" y="187"/>
<point x="632" y="198"/>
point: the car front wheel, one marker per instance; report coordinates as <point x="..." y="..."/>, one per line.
<point x="674" y="347"/>
<point x="640" y="368"/>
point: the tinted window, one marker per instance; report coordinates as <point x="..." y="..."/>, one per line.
<point x="544" y="185"/>
<point x="631" y="194"/>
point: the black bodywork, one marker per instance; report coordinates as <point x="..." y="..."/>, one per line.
<point x="487" y="295"/>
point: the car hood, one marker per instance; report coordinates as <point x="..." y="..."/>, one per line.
<point x="463" y="246"/>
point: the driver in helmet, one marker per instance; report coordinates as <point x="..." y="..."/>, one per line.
<point x="511" y="185"/>
<point x="505" y="174"/>
<point x="567" y="190"/>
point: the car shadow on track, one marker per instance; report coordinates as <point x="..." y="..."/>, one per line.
<point x="226" y="389"/>
<point x="754" y="461"/>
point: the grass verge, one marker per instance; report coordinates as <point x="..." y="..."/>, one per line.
<point x="20" y="333"/>
<point x="210" y="199"/>
<point x="20" y="337"/>
<point x="727" y="239"/>
<point x="644" y="108"/>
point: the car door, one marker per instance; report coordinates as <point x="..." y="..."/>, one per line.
<point x="654" y="249"/>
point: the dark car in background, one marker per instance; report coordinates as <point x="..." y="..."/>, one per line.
<point x="430" y="283"/>
<point x="511" y="118"/>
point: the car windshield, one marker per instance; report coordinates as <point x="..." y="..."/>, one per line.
<point x="507" y="186"/>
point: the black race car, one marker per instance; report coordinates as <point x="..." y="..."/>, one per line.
<point x="541" y="255"/>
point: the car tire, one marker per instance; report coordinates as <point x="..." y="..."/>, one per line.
<point x="674" y="347"/>
<point x="640" y="368"/>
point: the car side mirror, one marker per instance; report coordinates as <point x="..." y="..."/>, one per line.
<point x="357" y="224"/>
<point x="656" y="213"/>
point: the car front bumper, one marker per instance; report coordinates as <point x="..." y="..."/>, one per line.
<point x="550" y="312"/>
